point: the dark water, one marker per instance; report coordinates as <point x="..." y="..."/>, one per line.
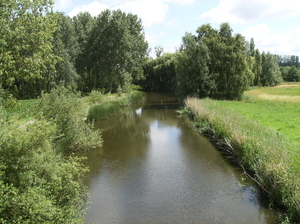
<point x="154" y="168"/>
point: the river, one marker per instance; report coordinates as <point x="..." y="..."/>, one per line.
<point x="154" y="168"/>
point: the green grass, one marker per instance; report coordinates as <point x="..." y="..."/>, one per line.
<point x="281" y="117"/>
<point x="22" y="110"/>
<point x="263" y="133"/>
<point x="269" y="155"/>
<point x="112" y="104"/>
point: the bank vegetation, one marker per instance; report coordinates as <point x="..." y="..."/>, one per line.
<point x="269" y="156"/>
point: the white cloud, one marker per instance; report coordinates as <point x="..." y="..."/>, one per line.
<point x="94" y="9"/>
<point x="151" y="12"/>
<point x="287" y="42"/>
<point x="151" y="38"/>
<point x="172" y="48"/>
<point x="174" y="23"/>
<point x="61" y="5"/>
<point x="247" y="11"/>
<point x="181" y="2"/>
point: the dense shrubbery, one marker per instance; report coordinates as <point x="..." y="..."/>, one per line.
<point x="64" y="108"/>
<point x="39" y="182"/>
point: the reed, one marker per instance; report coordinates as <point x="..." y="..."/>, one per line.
<point x="268" y="155"/>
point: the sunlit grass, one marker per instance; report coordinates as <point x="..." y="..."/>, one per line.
<point x="272" y="157"/>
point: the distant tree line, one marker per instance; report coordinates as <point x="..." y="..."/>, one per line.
<point x="289" y="67"/>
<point x="211" y="63"/>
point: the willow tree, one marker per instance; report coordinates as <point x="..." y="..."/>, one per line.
<point x="26" y="31"/>
<point x="227" y="64"/>
<point x="117" y="47"/>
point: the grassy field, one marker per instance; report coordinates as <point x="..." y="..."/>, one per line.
<point x="276" y="107"/>
<point x="261" y="133"/>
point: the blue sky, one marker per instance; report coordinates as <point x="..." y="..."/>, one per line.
<point x="274" y="25"/>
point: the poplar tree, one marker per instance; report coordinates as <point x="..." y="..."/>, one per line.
<point x="117" y="48"/>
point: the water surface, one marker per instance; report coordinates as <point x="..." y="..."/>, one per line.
<point x="154" y="168"/>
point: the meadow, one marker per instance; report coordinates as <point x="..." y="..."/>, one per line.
<point x="275" y="107"/>
<point x="261" y="134"/>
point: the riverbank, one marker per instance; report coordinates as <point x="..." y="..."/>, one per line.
<point x="269" y="156"/>
<point x="106" y="106"/>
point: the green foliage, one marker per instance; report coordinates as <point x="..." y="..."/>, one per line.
<point x="96" y="97"/>
<point x="271" y="75"/>
<point x="227" y="63"/>
<point x="293" y="74"/>
<point x="64" y="108"/>
<point x="270" y="156"/>
<point x="66" y="48"/>
<point x="160" y="74"/>
<point x="117" y="48"/>
<point x="38" y="185"/>
<point x="103" y="110"/>
<point x="192" y="69"/>
<point x="26" y="31"/>
<point x="110" y="108"/>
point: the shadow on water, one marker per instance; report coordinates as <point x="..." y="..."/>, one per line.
<point x="154" y="168"/>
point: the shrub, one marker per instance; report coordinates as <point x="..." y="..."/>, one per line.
<point x="96" y="97"/>
<point x="37" y="184"/>
<point x="64" y="108"/>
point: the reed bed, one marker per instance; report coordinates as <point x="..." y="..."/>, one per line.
<point x="266" y="154"/>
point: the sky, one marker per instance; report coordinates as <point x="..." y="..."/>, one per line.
<point x="274" y="25"/>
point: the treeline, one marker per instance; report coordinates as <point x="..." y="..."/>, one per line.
<point x="211" y="63"/>
<point x="40" y="49"/>
<point x="289" y="67"/>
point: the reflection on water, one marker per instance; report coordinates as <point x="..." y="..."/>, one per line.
<point x="153" y="168"/>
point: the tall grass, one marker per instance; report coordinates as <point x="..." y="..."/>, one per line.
<point x="112" y="105"/>
<point x="265" y="153"/>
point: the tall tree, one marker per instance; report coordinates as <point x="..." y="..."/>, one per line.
<point x="118" y="47"/>
<point x="83" y="24"/>
<point x="270" y="75"/>
<point x="252" y="47"/>
<point x="227" y="60"/>
<point x="66" y="48"/>
<point x="192" y="69"/>
<point x="26" y="31"/>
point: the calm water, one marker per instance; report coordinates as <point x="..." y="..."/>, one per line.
<point x="154" y="168"/>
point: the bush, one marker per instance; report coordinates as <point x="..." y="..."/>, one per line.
<point x="37" y="184"/>
<point x="96" y="97"/>
<point x="64" y="108"/>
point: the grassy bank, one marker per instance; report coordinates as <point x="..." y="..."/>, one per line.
<point x="106" y="106"/>
<point x="267" y="154"/>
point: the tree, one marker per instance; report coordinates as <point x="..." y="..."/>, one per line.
<point x="66" y="48"/>
<point x="227" y="60"/>
<point x="117" y="48"/>
<point x="26" y="30"/>
<point x="83" y="24"/>
<point x="159" y="74"/>
<point x="192" y="69"/>
<point x="159" y="51"/>
<point x="293" y="74"/>
<point x="252" y="47"/>
<point x="270" y="75"/>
